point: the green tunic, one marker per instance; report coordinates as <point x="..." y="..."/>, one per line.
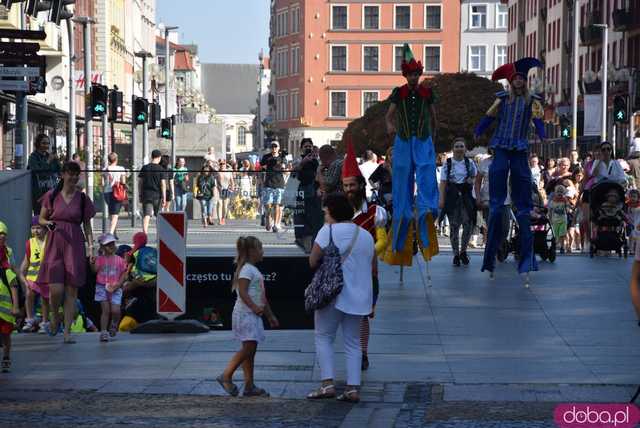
<point x="413" y="112"/>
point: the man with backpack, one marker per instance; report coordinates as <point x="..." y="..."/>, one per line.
<point x="153" y="188"/>
<point x="114" y="182"/>
<point x="456" y="199"/>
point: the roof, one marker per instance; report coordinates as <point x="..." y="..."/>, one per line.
<point x="183" y="61"/>
<point x="230" y="88"/>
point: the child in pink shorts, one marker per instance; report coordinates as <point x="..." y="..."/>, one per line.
<point x="111" y="272"/>
<point x="28" y="275"/>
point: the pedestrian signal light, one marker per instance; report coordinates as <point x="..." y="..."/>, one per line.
<point x="565" y="128"/>
<point x="115" y="106"/>
<point x="165" y="128"/>
<point x="155" y="115"/>
<point x="140" y="111"/>
<point x="99" y="96"/>
<point x="620" y="109"/>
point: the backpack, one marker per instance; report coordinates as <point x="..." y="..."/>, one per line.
<point x="328" y="281"/>
<point x="119" y="191"/>
<point x="467" y="165"/>
<point x="147" y="260"/>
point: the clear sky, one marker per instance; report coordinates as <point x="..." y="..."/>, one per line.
<point x="226" y="31"/>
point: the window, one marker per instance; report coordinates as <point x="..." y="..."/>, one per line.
<point x="338" y="106"/>
<point x="370" y="58"/>
<point x="242" y="136"/>
<point x="433" y="17"/>
<point x="295" y="20"/>
<point x="501" y="16"/>
<point x="432" y="58"/>
<point x="369" y="98"/>
<point x="477" y="58"/>
<point x="338" y="58"/>
<point x="281" y="106"/>
<point x="403" y="18"/>
<point x="500" y="56"/>
<point x="397" y="58"/>
<point x="338" y="17"/>
<point x="295" y="105"/>
<point x="478" y="16"/>
<point x="371" y="19"/>
<point x="295" y="60"/>
<point x="285" y="23"/>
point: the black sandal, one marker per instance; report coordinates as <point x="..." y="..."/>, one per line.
<point x="228" y="386"/>
<point x="254" y="391"/>
<point x="328" y="391"/>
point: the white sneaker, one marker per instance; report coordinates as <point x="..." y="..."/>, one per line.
<point x="43" y="327"/>
<point x="29" y="326"/>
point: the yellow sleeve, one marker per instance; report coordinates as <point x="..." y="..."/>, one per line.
<point x="493" y="110"/>
<point x="537" y="111"/>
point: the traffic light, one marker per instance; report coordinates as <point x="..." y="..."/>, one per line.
<point x="140" y="111"/>
<point x="99" y="96"/>
<point x="565" y="127"/>
<point x="115" y="106"/>
<point x="165" y="128"/>
<point x="620" y="109"/>
<point x="59" y="12"/>
<point x="155" y="114"/>
<point x="36" y="6"/>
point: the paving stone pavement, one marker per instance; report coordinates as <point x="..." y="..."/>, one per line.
<point x="457" y="351"/>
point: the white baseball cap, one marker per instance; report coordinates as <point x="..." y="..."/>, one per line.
<point x="106" y="239"/>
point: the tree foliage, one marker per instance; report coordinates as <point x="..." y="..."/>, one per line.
<point x="462" y="100"/>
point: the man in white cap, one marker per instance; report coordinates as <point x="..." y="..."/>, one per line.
<point x="273" y="186"/>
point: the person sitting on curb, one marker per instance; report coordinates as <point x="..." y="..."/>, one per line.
<point x="139" y="289"/>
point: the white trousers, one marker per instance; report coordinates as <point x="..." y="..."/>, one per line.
<point x="327" y="321"/>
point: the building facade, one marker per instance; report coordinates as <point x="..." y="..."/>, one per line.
<point x="545" y="28"/>
<point x="483" y="38"/>
<point x="331" y="60"/>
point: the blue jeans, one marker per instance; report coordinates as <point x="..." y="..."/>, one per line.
<point x="180" y="201"/>
<point x="414" y="162"/>
<point x="516" y="161"/>
<point x="206" y="207"/>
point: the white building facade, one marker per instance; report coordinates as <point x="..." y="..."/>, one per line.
<point x="483" y="38"/>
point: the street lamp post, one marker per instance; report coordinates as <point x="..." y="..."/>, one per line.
<point x="88" y="115"/>
<point x="576" y="71"/>
<point x="145" y="130"/>
<point x="166" y="89"/>
<point x="605" y="54"/>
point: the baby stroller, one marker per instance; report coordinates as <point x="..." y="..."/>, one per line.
<point x="544" y="243"/>
<point x="607" y="219"/>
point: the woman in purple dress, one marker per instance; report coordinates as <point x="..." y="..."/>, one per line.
<point x="64" y="209"/>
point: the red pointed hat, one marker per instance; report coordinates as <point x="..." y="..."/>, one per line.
<point x="520" y="67"/>
<point x="350" y="166"/>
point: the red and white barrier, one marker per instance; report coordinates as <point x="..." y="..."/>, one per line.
<point x="172" y="263"/>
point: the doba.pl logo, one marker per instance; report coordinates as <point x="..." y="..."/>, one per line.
<point x="589" y="415"/>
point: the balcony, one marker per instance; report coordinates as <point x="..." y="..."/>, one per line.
<point x="590" y="35"/>
<point x="622" y="20"/>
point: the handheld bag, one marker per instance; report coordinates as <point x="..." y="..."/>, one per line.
<point x="328" y="280"/>
<point x="119" y="191"/>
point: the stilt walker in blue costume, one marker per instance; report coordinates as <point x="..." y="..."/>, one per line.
<point x="514" y="111"/>
<point x="413" y="155"/>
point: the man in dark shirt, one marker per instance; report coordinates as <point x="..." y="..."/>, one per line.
<point x="153" y="188"/>
<point x="45" y="171"/>
<point x="308" y="216"/>
<point x="273" y="186"/>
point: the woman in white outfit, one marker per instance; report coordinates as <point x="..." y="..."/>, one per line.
<point x="353" y="302"/>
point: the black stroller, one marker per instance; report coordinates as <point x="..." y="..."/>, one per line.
<point x="544" y="243"/>
<point x="608" y="223"/>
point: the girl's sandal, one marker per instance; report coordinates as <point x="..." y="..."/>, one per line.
<point x="255" y="392"/>
<point x="328" y="391"/>
<point x="228" y="386"/>
<point x="349" y="396"/>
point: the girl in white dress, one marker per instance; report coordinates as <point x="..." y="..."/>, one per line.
<point x="246" y="321"/>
